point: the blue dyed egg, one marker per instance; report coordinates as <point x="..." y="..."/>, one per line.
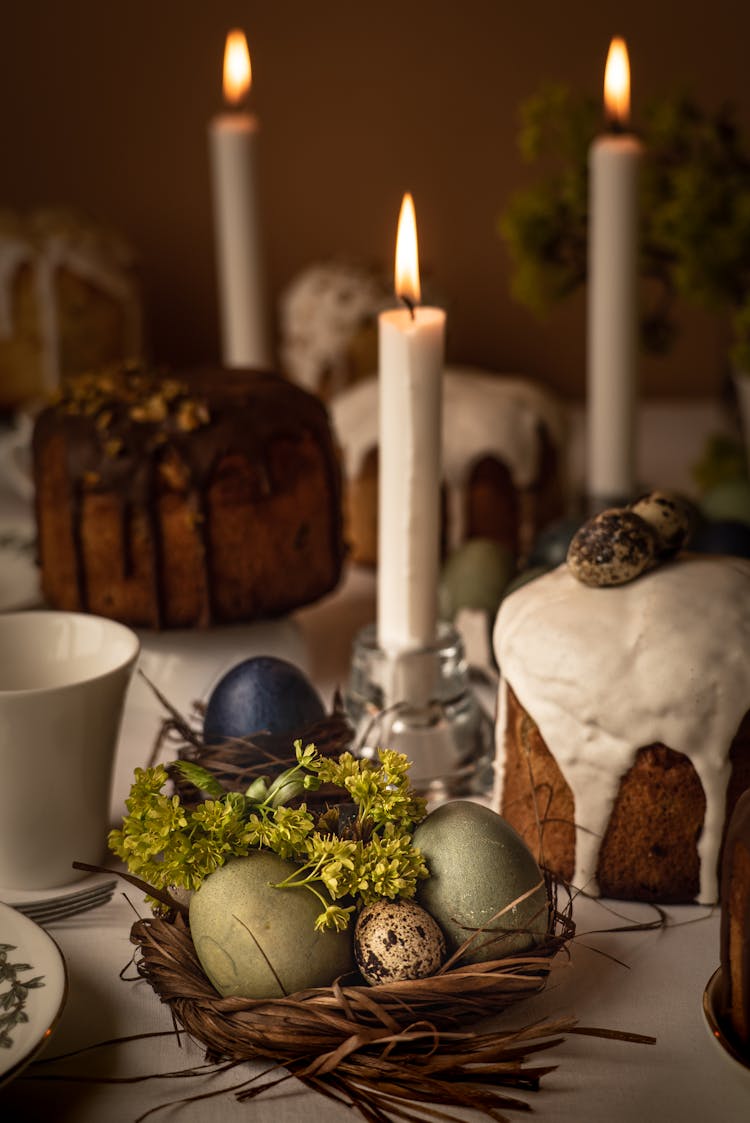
<point x="722" y="536"/>
<point x="261" y="694"/>
<point x="551" y="545"/>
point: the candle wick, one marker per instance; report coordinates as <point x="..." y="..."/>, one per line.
<point x="409" y="304"/>
<point x="616" y="126"/>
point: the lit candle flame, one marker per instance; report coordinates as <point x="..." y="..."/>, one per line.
<point x="237" y="72"/>
<point x="407" y="254"/>
<point x="617" y="83"/>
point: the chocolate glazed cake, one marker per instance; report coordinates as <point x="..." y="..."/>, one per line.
<point x="205" y="498"/>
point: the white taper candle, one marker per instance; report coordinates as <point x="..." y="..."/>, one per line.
<point x="411" y="361"/>
<point x="243" y="299"/>
<point x="614" y="162"/>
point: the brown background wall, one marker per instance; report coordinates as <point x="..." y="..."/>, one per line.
<point x="105" y="107"/>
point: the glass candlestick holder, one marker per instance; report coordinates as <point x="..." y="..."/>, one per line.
<point x="420" y="703"/>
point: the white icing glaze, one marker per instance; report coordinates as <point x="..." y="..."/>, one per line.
<point x="483" y="415"/>
<point x="604" y="672"/>
<point x="14" y="252"/>
<point x="54" y="240"/>
<point x="320" y="312"/>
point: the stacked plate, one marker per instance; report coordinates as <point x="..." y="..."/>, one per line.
<point x="47" y="906"/>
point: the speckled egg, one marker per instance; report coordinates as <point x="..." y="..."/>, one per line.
<point x="397" y="940"/>
<point x="480" y="868"/>
<point x="668" y="514"/>
<point x="612" y="548"/>
<point x="257" y="941"/>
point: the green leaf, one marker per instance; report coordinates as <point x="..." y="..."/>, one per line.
<point x="200" y="778"/>
<point x="258" y="790"/>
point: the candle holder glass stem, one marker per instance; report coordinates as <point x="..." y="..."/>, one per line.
<point x="420" y="702"/>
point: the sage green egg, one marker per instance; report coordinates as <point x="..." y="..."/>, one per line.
<point x="256" y="941"/>
<point x="479" y="865"/>
<point x="728" y="500"/>
<point x="475" y="576"/>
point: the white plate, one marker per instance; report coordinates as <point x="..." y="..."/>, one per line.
<point x="35" y="956"/>
<point x="59" y="893"/>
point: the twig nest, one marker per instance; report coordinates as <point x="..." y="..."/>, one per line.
<point x="397" y="940"/>
<point x="669" y="516"/>
<point x="612" y="548"/>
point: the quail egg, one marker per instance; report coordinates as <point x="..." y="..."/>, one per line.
<point x="612" y="548"/>
<point x="669" y="516"/>
<point x="397" y="940"/>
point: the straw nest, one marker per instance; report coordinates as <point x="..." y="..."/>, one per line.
<point x="410" y="1050"/>
<point x="385" y="1049"/>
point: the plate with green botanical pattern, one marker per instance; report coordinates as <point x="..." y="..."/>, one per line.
<point x="33" y="988"/>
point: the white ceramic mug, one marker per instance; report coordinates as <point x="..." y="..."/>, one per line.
<point x="63" y="679"/>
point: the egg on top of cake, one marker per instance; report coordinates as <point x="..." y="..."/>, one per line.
<point x="208" y="496"/>
<point x="70" y="301"/>
<point x="623" y="728"/>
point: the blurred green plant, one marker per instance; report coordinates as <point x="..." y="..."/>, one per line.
<point x="695" y="211"/>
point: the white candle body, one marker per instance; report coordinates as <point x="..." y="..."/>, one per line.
<point x="411" y="360"/>
<point x="243" y="299"/>
<point x="612" y="315"/>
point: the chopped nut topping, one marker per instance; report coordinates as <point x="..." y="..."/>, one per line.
<point x="153" y="409"/>
<point x="171" y="388"/>
<point x="191" y="414"/>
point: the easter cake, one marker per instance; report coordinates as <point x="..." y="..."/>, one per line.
<point x="69" y="301"/>
<point x="502" y="454"/>
<point x="210" y="497"/>
<point x="735" y="923"/>
<point x="623" y="732"/>
<point x="328" y="324"/>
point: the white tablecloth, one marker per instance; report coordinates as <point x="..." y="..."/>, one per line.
<point x="645" y="982"/>
<point x="655" y="988"/>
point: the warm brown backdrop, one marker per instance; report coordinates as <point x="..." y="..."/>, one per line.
<point x="105" y="107"/>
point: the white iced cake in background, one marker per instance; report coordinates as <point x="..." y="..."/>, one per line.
<point x="328" y="323"/>
<point x="623" y="736"/>
<point x="503" y="459"/>
<point x="69" y="301"/>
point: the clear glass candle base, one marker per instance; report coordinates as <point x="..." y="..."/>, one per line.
<point x="420" y="703"/>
